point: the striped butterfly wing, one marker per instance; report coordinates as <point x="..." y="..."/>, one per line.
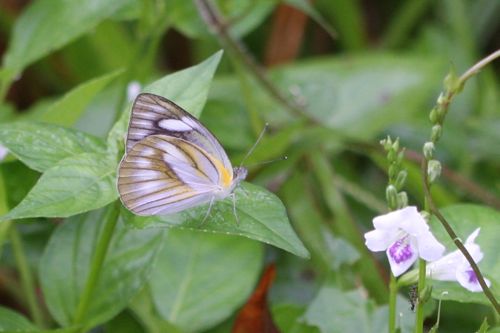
<point x="163" y="175"/>
<point x="153" y="114"/>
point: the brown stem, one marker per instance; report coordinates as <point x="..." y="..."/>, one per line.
<point x="216" y="23"/>
<point x="455" y="239"/>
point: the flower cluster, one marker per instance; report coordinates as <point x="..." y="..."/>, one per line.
<point x="405" y="236"/>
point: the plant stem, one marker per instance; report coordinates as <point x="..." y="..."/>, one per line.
<point x="419" y="321"/>
<point x="456" y="240"/>
<point x="27" y="280"/>
<point x="393" y="293"/>
<point x="219" y="27"/>
<point x="97" y="261"/>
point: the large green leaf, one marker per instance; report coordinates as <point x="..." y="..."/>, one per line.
<point x="47" y="25"/>
<point x="11" y="321"/>
<point x="200" y="279"/>
<point x="360" y="96"/>
<point x="74" y="185"/>
<point x="336" y="311"/>
<point x="65" y="264"/>
<point x="187" y="88"/>
<point x="357" y="96"/>
<point x="68" y="109"/>
<point x="261" y="216"/>
<point x="288" y="318"/>
<point x="464" y="219"/>
<point x="41" y="146"/>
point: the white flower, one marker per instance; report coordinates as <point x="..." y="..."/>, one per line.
<point x="454" y="266"/>
<point x="405" y="236"/>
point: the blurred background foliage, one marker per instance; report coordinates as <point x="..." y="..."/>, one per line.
<point x="331" y="78"/>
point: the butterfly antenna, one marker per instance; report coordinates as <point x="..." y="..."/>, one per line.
<point x="255" y="144"/>
<point x="283" y="158"/>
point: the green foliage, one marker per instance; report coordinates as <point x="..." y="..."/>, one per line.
<point x="464" y="220"/>
<point x="197" y="282"/>
<point x="64" y="268"/>
<point x="351" y="74"/>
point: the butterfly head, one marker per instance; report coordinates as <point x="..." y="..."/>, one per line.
<point x="239" y="174"/>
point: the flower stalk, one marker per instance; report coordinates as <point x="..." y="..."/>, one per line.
<point x="431" y="171"/>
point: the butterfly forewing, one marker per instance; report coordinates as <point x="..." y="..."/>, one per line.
<point x="152" y="115"/>
<point x="164" y="175"/>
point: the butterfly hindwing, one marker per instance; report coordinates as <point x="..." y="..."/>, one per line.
<point x="161" y="174"/>
<point x="153" y="115"/>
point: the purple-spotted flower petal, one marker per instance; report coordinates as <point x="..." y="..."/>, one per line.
<point x="405" y="236"/>
<point x="454" y="266"/>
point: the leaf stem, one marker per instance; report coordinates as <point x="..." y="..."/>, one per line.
<point x="393" y="293"/>
<point x="97" y="261"/>
<point x="419" y="321"/>
<point x="219" y="27"/>
<point x="27" y="280"/>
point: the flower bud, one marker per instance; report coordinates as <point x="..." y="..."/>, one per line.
<point x="386" y="143"/>
<point x="402" y="199"/>
<point x="451" y="81"/>
<point x="437" y="131"/>
<point x="433" y="170"/>
<point x="395" y="145"/>
<point x="401" y="156"/>
<point x="400" y="179"/>
<point x="391" y="195"/>
<point x="391" y="155"/>
<point x="433" y="116"/>
<point x="441" y="100"/>
<point x="428" y="150"/>
<point x="393" y="169"/>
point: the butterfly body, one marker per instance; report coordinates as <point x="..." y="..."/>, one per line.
<point x="172" y="161"/>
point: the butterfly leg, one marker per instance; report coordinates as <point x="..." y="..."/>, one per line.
<point x="208" y="211"/>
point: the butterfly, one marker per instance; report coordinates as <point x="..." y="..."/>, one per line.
<point x="172" y="162"/>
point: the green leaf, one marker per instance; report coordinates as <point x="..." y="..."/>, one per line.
<point x="66" y="262"/>
<point x="67" y="110"/>
<point x="143" y="308"/>
<point x="42" y="146"/>
<point x="245" y="15"/>
<point x="47" y="25"/>
<point x="187" y="88"/>
<point x="288" y="318"/>
<point x="74" y="185"/>
<point x="335" y="311"/>
<point x="200" y="279"/>
<point x="464" y="219"/>
<point x="392" y="87"/>
<point x="11" y="321"/>
<point x="306" y="7"/>
<point x="261" y="216"/>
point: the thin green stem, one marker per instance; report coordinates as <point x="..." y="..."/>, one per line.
<point x="27" y="280"/>
<point x="419" y="321"/>
<point x="393" y="293"/>
<point x="97" y="261"/>
<point x="434" y="210"/>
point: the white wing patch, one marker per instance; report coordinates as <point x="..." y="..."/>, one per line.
<point x="174" y="125"/>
